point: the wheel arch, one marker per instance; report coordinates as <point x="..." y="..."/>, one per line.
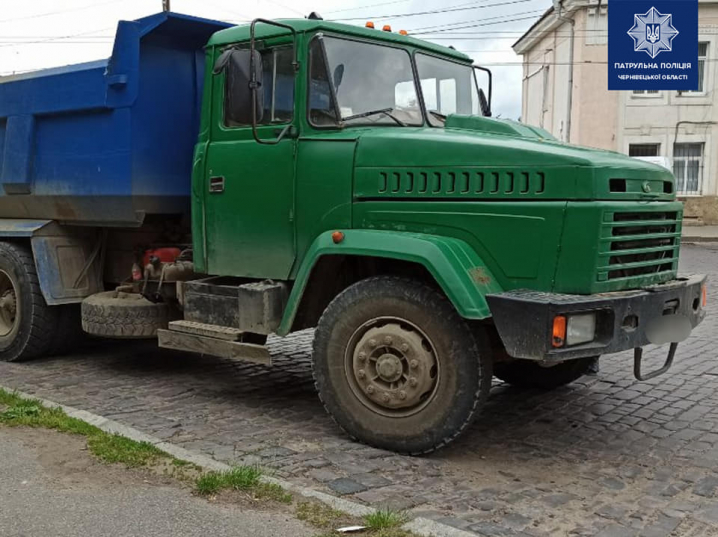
<point x="328" y="268"/>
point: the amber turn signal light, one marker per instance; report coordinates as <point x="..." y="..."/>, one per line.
<point x="337" y="237"/>
<point x="370" y="24"/>
<point x="559" y="331"/>
<point x="704" y="295"/>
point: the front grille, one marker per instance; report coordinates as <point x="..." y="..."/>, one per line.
<point x="639" y="244"/>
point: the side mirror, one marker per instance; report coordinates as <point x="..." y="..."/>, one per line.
<point x="484" y="104"/>
<point x="484" y="101"/>
<point x="338" y="75"/>
<point x="238" y="65"/>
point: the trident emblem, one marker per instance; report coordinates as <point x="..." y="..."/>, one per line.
<point x="653" y="33"/>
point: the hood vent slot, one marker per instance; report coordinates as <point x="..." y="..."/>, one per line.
<point x="459" y="184"/>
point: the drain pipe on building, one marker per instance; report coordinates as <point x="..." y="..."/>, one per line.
<point x="558" y="6"/>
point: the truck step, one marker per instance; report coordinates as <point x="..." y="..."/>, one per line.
<point x="212" y="346"/>
<point x="203" y="329"/>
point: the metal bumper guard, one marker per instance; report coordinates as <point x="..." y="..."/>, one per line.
<point x="524" y="319"/>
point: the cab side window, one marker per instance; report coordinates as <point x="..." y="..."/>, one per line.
<point x="278" y="86"/>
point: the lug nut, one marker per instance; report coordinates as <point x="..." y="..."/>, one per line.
<point x="385" y="397"/>
<point x="361" y="374"/>
<point x="362" y="356"/>
<point x="404" y="347"/>
<point x="414" y="364"/>
<point x="412" y="382"/>
<point x="388" y="340"/>
<point x="372" y="342"/>
<point x="402" y="395"/>
<point x="370" y="390"/>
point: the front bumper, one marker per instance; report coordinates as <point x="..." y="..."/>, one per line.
<point x="524" y="318"/>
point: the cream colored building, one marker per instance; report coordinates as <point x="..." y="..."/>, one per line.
<point x="569" y="43"/>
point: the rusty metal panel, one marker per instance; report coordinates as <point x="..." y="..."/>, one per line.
<point x="233" y="350"/>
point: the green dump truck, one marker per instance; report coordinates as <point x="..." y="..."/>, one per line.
<point x="343" y="178"/>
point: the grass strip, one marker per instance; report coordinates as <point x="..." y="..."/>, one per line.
<point x="110" y="448"/>
<point x="241" y="478"/>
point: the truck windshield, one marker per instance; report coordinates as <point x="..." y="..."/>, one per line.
<point x="447" y="87"/>
<point x="374" y="84"/>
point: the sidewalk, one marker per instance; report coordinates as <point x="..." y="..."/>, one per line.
<point x="52" y="486"/>
<point x="700" y="234"/>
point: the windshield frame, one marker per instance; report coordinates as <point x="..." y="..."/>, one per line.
<point x="340" y="125"/>
<point x="470" y="66"/>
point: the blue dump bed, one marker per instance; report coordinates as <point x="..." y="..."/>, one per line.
<point x="107" y="142"/>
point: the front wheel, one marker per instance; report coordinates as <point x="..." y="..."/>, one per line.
<point x="531" y="374"/>
<point x="397" y="367"/>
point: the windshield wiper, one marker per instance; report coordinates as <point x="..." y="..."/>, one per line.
<point x="437" y="114"/>
<point x="385" y="111"/>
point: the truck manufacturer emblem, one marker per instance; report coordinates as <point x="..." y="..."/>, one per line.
<point x="646" y="186"/>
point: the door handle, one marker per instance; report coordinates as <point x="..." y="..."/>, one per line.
<point x="216" y="184"/>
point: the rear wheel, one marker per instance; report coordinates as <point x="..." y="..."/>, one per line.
<point x="397" y="367"/>
<point x="532" y="374"/>
<point x="27" y="323"/>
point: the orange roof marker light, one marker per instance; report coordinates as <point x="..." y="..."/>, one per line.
<point x="387" y="28"/>
<point x="369" y="24"/>
<point x="403" y="32"/>
<point x="337" y="237"/>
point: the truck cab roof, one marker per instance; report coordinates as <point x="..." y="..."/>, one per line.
<point x="238" y="34"/>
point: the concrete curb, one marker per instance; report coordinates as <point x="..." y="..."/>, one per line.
<point x="421" y="526"/>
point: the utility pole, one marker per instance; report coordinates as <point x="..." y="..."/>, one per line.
<point x="165" y="5"/>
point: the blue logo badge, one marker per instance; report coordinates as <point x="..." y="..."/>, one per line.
<point x="653" y="45"/>
<point x="652" y="32"/>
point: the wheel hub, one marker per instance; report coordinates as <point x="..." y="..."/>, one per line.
<point x="392" y="367"/>
<point x="8" y="304"/>
<point x="389" y="368"/>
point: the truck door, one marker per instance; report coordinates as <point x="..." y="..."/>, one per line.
<point x="249" y="187"/>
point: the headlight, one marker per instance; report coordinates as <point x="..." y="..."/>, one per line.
<point x="581" y="328"/>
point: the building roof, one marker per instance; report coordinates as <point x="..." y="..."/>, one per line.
<point x="543" y="17"/>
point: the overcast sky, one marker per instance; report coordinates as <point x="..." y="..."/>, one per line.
<point x="47" y="33"/>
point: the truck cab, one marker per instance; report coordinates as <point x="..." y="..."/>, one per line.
<point x="352" y="180"/>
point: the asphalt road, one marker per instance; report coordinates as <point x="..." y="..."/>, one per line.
<point x="50" y="486"/>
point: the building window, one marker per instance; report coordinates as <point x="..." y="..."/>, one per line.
<point x="645" y="92"/>
<point x="597" y="30"/>
<point x="643" y="150"/>
<point x="688" y="167"/>
<point x="702" y="58"/>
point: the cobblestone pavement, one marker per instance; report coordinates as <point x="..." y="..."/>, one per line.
<point x="606" y="456"/>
